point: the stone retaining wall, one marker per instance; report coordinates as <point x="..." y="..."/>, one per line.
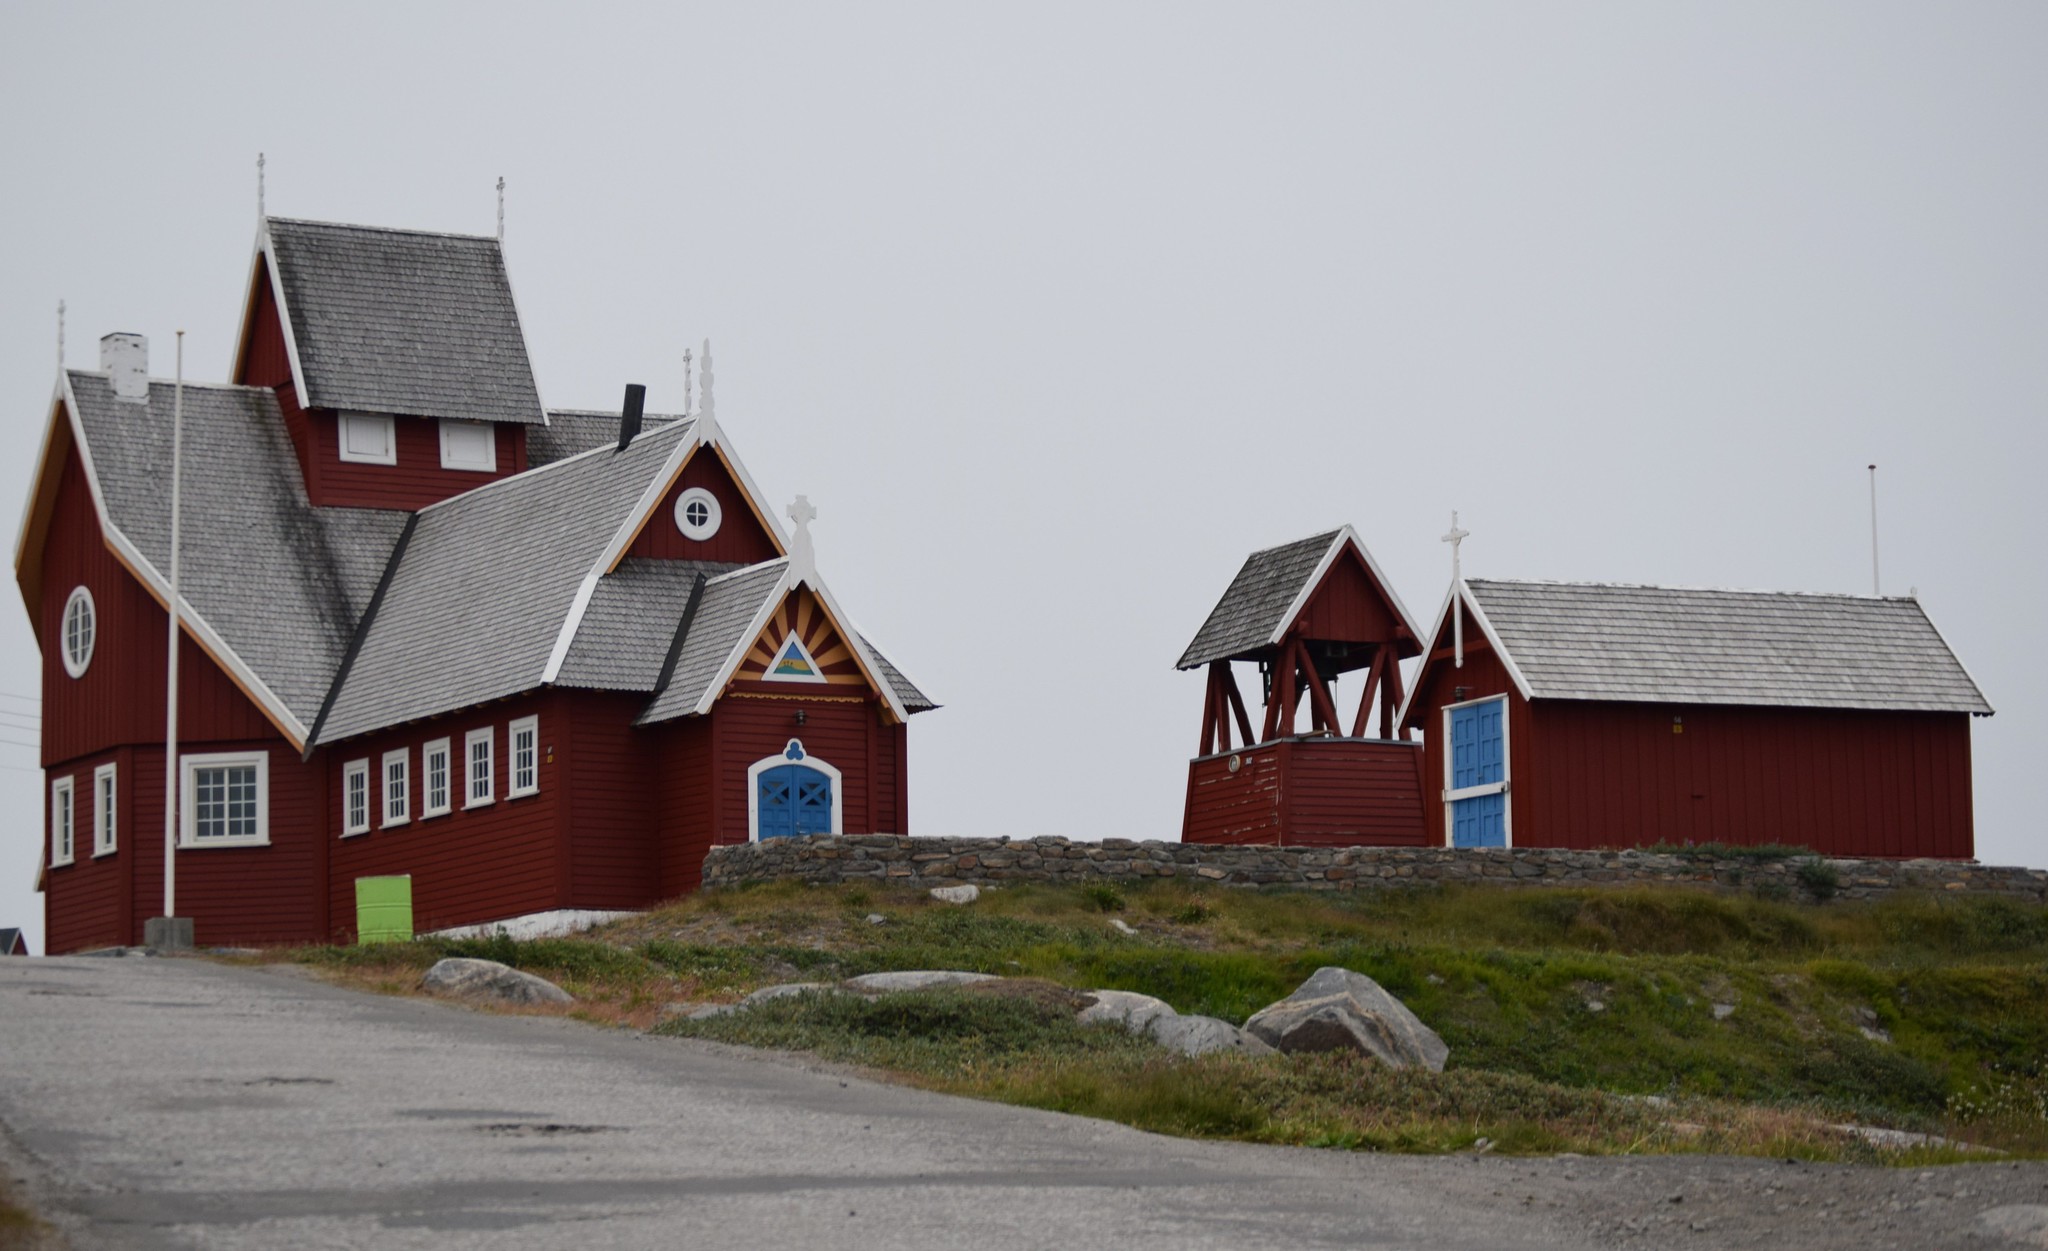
<point x="991" y="861"/>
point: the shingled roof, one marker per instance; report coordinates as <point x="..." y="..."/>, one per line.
<point x="571" y="431"/>
<point x="1269" y="590"/>
<point x="403" y="321"/>
<point x="280" y="582"/>
<point x="1678" y="645"/>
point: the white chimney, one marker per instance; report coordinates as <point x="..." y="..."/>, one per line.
<point x="125" y="357"/>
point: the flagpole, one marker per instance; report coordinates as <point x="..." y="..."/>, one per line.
<point x="171" y="660"/>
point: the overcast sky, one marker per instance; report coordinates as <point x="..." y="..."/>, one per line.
<point x="1057" y="311"/>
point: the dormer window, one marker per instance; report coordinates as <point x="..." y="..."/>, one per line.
<point x="369" y="439"/>
<point x="470" y="445"/>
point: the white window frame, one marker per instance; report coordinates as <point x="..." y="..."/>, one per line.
<point x="188" y="797"/>
<point x="1507" y="767"/>
<point x="449" y="459"/>
<point x="79" y="598"/>
<point x="63" y="821"/>
<point x="691" y="529"/>
<point x="106" y="800"/>
<point x="529" y="726"/>
<point x="400" y="812"/>
<point x="352" y="821"/>
<point x="428" y="808"/>
<point x="488" y="737"/>
<point x="365" y="421"/>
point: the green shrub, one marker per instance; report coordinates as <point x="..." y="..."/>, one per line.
<point x="1818" y="877"/>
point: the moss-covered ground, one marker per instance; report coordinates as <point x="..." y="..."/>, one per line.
<point x="1653" y="1019"/>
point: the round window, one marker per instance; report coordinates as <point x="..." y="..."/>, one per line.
<point x="80" y="628"/>
<point x="697" y="513"/>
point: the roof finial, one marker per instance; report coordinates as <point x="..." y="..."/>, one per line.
<point x="803" y="559"/>
<point x="501" y="209"/>
<point x="689" y="369"/>
<point x="1876" y="588"/>
<point x="1454" y="538"/>
<point x="259" y="186"/>
<point x="60" y="336"/>
<point x="710" y="408"/>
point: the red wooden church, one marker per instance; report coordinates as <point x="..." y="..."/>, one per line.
<point x="1579" y="715"/>
<point x="540" y="660"/>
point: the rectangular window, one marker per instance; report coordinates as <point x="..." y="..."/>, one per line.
<point x="479" y="791"/>
<point x="63" y="814"/>
<point x="355" y="797"/>
<point x="470" y="445"/>
<point x="525" y="739"/>
<point x="368" y="438"/>
<point x="434" y="765"/>
<point x="103" y="810"/>
<point x="226" y="800"/>
<point x="397" y="788"/>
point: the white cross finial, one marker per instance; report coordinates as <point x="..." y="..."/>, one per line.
<point x="1454" y="538"/>
<point x="689" y="376"/>
<point x="803" y="559"/>
<point x="707" y="408"/>
<point x="60" y="336"/>
<point x="501" y="208"/>
<point x="259" y="186"/>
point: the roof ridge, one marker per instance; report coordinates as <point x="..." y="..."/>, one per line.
<point x="1712" y="590"/>
<point x="1330" y="535"/>
<point x="171" y="382"/>
<point x="389" y="230"/>
<point x="529" y="474"/>
<point x="745" y="569"/>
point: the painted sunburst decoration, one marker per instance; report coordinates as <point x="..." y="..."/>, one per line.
<point x="800" y="645"/>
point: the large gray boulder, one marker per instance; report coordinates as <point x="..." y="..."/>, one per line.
<point x="1337" y="1010"/>
<point x="1133" y="1011"/>
<point x="1200" y="1035"/>
<point x="913" y="979"/>
<point x="490" y="980"/>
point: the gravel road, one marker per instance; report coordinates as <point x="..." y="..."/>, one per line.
<point x="165" y="1103"/>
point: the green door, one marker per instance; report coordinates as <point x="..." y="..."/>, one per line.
<point x="384" y="910"/>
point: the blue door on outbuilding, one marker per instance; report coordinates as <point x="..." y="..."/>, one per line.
<point x="1479" y="759"/>
<point x="794" y="800"/>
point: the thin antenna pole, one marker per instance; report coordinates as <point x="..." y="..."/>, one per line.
<point x="171" y="681"/>
<point x="689" y="375"/>
<point x="60" y="336"/>
<point x="259" y="186"/>
<point x="1874" y="587"/>
<point x="501" y="210"/>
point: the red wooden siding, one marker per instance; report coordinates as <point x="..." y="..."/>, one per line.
<point x="686" y="825"/>
<point x="1843" y="782"/>
<point x="1347" y="605"/>
<point x="416" y="481"/>
<point x="609" y="812"/>
<point x="1308" y="793"/>
<point x="471" y="865"/>
<point x="1483" y="675"/>
<point x="740" y="537"/>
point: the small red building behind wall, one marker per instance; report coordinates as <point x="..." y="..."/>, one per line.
<point x="539" y="661"/>
<point x="1305" y="613"/>
<point x="1598" y="715"/>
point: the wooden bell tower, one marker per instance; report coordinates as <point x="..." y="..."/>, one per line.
<point x="1305" y="613"/>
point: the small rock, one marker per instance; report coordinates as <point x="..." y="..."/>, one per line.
<point x="1594" y="1005"/>
<point x="1129" y="1009"/>
<point x="1337" y="1009"/>
<point x="784" y="991"/>
<point x="956" y="894"/>
<point x="1200" y="1035"/>
<point x="914" y="979"/>
<point x="706" y="1011"/>
<point x="1118" y="924"/>
<point x="488" y="978"/>
<point x="1722" y="1011"/>
<point x="694" y="1011"/>
<point x="1434" y="980"/>
<point x="876" y="918"/>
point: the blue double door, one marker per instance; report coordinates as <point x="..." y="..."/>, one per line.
<point x="794" y="800"/>
<point x="1479" y="771"/>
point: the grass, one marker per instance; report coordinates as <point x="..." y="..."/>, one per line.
<point x="1562" y="1008"/>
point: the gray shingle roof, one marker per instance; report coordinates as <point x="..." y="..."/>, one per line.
<point x="404" y="321"/>
<point x="475" y="607"/>
<point x="282" y="582"/>
<point x="631" y="621"/>
<point x="1602" y="641"/>
<point x="730" y="605"/>
<point x="573" y="430"/>
<point x="1257" y="601"/>
<point x="913" y="699"/>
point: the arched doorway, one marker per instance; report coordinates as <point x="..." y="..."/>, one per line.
<point x="792" y="795"/>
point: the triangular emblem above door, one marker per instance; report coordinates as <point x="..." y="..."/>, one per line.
<point x="793" y="663"/>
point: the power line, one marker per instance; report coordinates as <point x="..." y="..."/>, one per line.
<point x="32" y="699"/>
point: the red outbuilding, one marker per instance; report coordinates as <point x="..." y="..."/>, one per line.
<point x="1587" y="715"/>
<point x="538" y="660"/>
